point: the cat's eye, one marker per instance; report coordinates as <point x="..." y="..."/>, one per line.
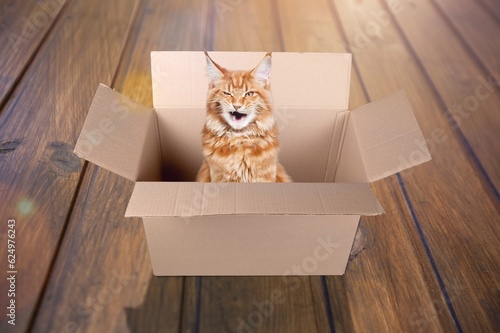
<point x="249" y="94"/>
<point x="227" y="93"/>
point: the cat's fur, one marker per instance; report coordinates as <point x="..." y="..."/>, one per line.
<point x="240" y="137"/>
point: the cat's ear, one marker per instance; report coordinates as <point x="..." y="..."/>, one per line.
<point x="262" y="72"/>
<point x="215" y="72"/>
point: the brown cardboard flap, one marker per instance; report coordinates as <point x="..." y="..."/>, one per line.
<point x="121" y="136"/>
<point x="383" y="138"/>
<point x="305" y="80"/>
<point x="183" y="199"/>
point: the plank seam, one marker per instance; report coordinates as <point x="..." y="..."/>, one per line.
<point x="326" y="295"/>
<point x="275" y="10"/>
<point x="316" y="309"/>
<point x="209" y="40"/>
<point x="461" y="136"/>
<point x="328" y="306"/>
<point x="25" y="68"/>
<point x="81" y="179"/>
<point x="198" y="305"/>
<point x="428" y="252"/>
<point x="403" y="188"/>
<point x="463" y="41"/>
<point x="36" y="310"/>
<point x="401" y="183"/>
<point x="336" y="17"/>
<point x="131" y="25"/>
<point x="183" y="297"/>
<point x="488" y="10"/>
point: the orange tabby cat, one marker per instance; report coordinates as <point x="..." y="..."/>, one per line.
<point x="240" y="137"/>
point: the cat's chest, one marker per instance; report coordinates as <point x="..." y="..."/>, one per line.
<point x="240" y="150"/>
<point x="240" y="146"/>
<point x="241" y="159"/>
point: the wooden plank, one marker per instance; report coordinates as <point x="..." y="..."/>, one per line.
<point x="390" y="285"/>
<point x="447" y="194"/>
<point x="98" y="184"/>
<point x="461" y="84"/>
<point x="23" y="27"/>
<point x="102" y="278"/>
<point x="97" y="227"/>
<point x="308" y="28"/>
<point x="39" y="126"/>
<point x="244" y="26"/>
<point x="365" y="298"/>
<point x="477" y="30"/>
<point x="245" y="304"/>
<point x="249" y="304"/>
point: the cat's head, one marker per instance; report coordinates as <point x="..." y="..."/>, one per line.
<point x="240" y="98"/>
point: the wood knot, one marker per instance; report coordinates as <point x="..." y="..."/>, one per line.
<point x="8" y="146"/>
<point x="64" y="158"/>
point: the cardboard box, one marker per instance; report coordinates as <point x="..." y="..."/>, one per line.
<point x="306" y="227"/>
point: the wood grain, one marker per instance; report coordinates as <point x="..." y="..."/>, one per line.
<point x="477" y="30"/>
<point x="23" y="27"/>
<point x="39" y="173"/>
<point x="112" y="244"/>
<point x="252" y="26"/>
<point x="357" y="297"/>
<point x="245" y="304"/>
<point x="107" y="257"/>
<point x="248" y="304"/>
<point x="216" y="297"/>
<point x="445" y="204"/>
<point x="307" y="28"/>
<point x="459" y="82"/>
<point x="429" y="264"/>
<point x="492" y="7"/>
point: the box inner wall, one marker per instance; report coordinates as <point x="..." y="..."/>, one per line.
<point x="310" y="142"/>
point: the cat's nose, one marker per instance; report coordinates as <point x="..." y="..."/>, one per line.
<point x="236" y="106"/>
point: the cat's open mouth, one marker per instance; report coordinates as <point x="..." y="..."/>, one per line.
<point x="238" y="117"/>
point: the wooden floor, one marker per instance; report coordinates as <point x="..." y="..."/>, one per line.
<point x="430" y="264"/>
